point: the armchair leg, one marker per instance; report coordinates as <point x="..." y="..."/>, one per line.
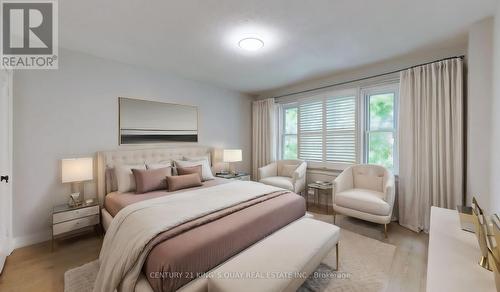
<point x="385" y="230"/>
<point x="305" y="193"/>
<point x="337" y="256"/>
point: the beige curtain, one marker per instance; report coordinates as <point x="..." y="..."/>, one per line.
<point x="263" y="133"/>
<point x="430" y="141"/>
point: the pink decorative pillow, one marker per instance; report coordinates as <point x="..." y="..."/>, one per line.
<point x="189" y="170"/>
<point x="180" y="182"/>
<point x="147" y="180"/>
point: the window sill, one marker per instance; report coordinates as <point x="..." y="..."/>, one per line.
<point x="324" y="170"/>
<point x="334" y="172"/>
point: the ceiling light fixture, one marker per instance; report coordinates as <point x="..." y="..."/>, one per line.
<point x="251" y="44"/>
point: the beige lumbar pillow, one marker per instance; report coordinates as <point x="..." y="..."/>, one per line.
<point x="125" y="178"/>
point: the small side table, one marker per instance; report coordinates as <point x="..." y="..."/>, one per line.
<point x="234" y="176"/>
<point x="320" y="189"/>
<point x="67" y="220"/>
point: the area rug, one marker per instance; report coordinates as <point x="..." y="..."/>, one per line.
<point x="364" y="266"/>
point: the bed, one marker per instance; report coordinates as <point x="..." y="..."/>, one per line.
<point x="168" y="241"/>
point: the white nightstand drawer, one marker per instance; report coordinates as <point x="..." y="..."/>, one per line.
<point x="75" y="214"/>
<point x="75" y="224"/>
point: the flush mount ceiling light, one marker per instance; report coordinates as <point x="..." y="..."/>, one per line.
<point x="251" y="44"/>
<point x="251" y="40"/>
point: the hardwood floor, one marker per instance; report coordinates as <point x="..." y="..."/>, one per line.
<point x="36" y="268"/>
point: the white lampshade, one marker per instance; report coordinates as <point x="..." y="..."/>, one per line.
<point x="232" y="155"/>
<point x="77" y="170"/>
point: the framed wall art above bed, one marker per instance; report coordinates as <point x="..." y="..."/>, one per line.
<point x="149" y="122"/>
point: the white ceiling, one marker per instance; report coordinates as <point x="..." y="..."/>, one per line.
<point x="197" y="39"/>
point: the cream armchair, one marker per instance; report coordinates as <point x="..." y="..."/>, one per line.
<point x="287" y="174"/>
<point x="365" y="192"/>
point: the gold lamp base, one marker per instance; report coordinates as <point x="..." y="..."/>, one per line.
<point x="485" y="263"/>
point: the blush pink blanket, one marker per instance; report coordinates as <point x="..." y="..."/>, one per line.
<point x="191" y="249"/>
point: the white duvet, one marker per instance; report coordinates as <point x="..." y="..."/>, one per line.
<point x="123" y="252"/>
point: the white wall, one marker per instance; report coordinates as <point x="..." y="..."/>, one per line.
<point x="479" y="101"/>
<point x="73" y="112"/>
<point x="411" y="59"/>
<point x="495" y="112"/>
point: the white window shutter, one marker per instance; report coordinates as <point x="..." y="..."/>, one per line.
<point x="341" y="129"/>
<point x="310" y="128"/>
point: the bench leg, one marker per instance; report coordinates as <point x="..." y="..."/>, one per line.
<point x="337" y="256"/>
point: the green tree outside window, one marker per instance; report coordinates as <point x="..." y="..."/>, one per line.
<point x="381" y="130"/>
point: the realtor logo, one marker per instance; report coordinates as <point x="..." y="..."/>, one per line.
<point x="29" y="34"/>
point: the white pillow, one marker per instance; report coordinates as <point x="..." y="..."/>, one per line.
<point x="125" y="178"/>
<point x="288" y="170"/>
<point x="160" y="164"/>
<point x="206" y="172"/>
<point x="198" y="158"/>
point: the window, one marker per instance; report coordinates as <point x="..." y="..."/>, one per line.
<point x="327" y="129"/>
<point x="343" y="127"/>
<point x="381" y="126"/>
<point x="289" y="136"/>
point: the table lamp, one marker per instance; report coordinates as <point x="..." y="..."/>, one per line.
<point x="230" y="156"/>
<point x="76" y="171"/>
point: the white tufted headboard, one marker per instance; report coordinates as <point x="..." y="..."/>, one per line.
<point x="107" y="159"/>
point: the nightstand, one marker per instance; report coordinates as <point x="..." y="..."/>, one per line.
<point x="68" y="220"/>
<point x="237" y="176"/>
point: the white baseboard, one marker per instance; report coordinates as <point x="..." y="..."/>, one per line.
<point x="30" y="239"/>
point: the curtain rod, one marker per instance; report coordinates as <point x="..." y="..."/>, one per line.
<point x="365" y="78"/>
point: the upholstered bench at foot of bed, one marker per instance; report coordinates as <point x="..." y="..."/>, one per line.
<point x="279" y="262"/>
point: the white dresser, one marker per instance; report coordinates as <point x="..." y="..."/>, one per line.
<point x="452" y="263"/>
